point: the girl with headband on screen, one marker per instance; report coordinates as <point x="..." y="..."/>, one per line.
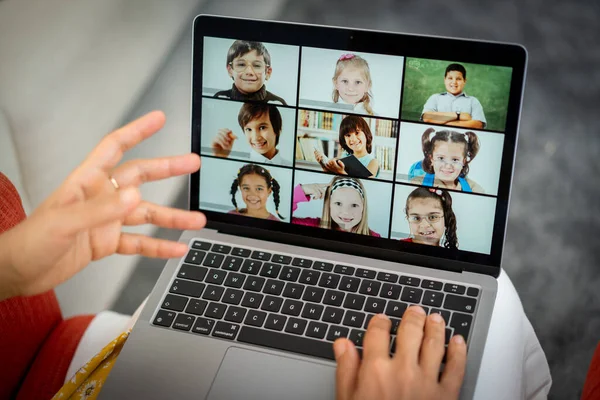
<point x="352" y="83"/>
<point x="446" y="158"/>
<point x="430" y="218"/>
<point x="256" y="185"/>
<point x="344" y="205"/>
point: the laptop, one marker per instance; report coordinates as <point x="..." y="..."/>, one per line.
<point x="294" y="257"/>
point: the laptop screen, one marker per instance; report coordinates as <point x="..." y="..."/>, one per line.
<point x="381" y="146"/>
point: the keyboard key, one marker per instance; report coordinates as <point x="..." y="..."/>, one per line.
<point x="198" y="245"/>
<point x="365" y="273"/>
<point x="368" y="320"/>
<point x="251" y="267"/>
<point x="215" y="310"/>
<point x="235" y="314"/>
<point x="433" y="285"/>
<point x="221" y="248"/>
<point x="349" y="284"/>
<point x="252" y="300"/>
<point x="323" y="266"/>
<point x="270" y="270"/>
<point x="473" y="292"/>
<point x="203" y="326"/>
<point x="192" y="272"/>
<point x="434" y="299"/>
<point x="356" y="336"/>
<point x="187" y="288"/>
<point x="354" y="318"/>
<point x="336" y="332"/>
<point x="354" y="301"/>
<point x="445" y="314"/>
<point x="279" y="259"/>
<point x="239" y="252"/>
<point x="226" y="330"/>
<point x="313" y="294"/>
<point x="296" y="326"/>
<point x="293" y="290"/>
<point x="391" y="291"/>
<point x="275" y="322"/>
<point x="329" y="281"/>
<point x="411" y="295"/>
<point x="302" y="262"/>
<point x="449" y="334"/>
<point x="456" y="289"/>
<point x="233" y="296"/>
<point x="272" y="304"/>
<point x="254" y="283"/>
<point x="164" y="318"/>
<point x="255" y="318"/>
<point x="292" y="307"/>
<point x="459" y="303"/>
<point x="375" y="305"/>
<point x="273" y="287"/>
<point x="344" y="269"/>
<point x="461" y="324"/>
<point x="387" y="277"/>
<point x="316" y="330"/>
<point x="196" y="307"/>
<point x="195" y="257"/>
<point x="312" y="311"/>
<point x="184" y="322"/>
<point x="290" y="274"/>
<point x="410" y="281"/>
<point x="234" y="280"/>
<point x="216" y="276"/>
<point x="395" y="309"/>
<point x="232" y="263"/>
<point x="309" y="277"/>
<point x="370" y="288"/>
<point x="175" y="303"/>
<point x="282" y="341"/>
<point x="213" y="260"/>
<point x="333" y="315"/>
<point x="261" y="255"/>
<point x="395" y="325"/>
<point x="213" y="293"/>
<point x="333" y="298"/>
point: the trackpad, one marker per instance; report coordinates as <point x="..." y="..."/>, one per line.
<point x="253" y="375"/>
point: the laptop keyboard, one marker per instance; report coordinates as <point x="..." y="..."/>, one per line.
<point x="298" y="304"/>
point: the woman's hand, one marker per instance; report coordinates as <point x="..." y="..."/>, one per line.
<point x="315" y="190"/>
<point x="81" y="221"/>
<point x="412" y="373"/>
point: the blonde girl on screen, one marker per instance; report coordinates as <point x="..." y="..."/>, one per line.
<point x="352" y="83"/>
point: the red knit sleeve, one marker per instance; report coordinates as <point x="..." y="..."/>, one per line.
<point x="591" y="390"/>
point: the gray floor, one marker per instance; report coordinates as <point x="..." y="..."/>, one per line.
<point x="552" y="252"/>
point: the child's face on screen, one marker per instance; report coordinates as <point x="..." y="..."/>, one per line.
<point x="455" y="82"/>
<point x="351" y="85"/>
<point x="255" y="191"/>
<point x="356" y="141"/>
<point x="261" y="136"/>
<point x="426" y="220"/>
<point x="448" y="160"/>
<point x="249" y="72"/>
<point x="346" y="208"/>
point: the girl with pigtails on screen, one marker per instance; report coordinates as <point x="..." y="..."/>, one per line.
<point x="430" y="218"/>
<point x="256" y="186"/>
<point x="446" y="158"/>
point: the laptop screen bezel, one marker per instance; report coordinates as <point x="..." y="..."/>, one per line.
<point x="439" y="48"/>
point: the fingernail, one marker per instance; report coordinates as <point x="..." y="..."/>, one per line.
<point x="437" y="318"/>
<point x="383" y="317"/>
<point x="418" y="309"/>
<point x="458" y="339"/>
<point x="339" y="348"/>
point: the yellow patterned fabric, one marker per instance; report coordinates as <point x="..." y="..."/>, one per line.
<point x="88" y="381"/>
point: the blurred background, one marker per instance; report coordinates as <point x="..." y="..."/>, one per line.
<point x="70" y="72"/>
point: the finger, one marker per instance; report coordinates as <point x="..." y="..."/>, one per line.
<point x="165" y="217"/>
<point x="432" y="349"/>
<point x="111" y="149"/>
<point x="410" y="335"/>
<point x="136" y="172"/>
<point x="454" y="371"/>
<point x="376" y="343"/>
<point x="130" y="243"/>
<point x="341" y="164"/>
<point x="346" y="373"/>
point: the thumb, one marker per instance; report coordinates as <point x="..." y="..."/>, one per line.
<point x="346" y="373"/>
<point x="341" y="164"/>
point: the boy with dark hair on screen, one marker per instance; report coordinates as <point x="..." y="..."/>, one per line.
<point x="249" y="65"/>
<point x="454" y="107"/>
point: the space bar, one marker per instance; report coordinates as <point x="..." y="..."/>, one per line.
<point x="280" y="341"/>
